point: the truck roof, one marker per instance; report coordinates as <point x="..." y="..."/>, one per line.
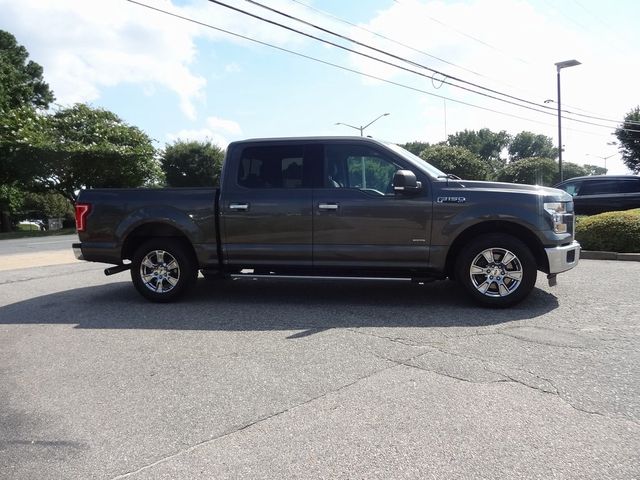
<point x="311" y="139"/>
<point x="600" y="177"/>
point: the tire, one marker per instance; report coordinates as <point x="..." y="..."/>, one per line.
<point x="163" y="269"/>
<point x="497" y="270"/>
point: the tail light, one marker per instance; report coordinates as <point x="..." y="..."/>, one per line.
<point x="82" y="210"/>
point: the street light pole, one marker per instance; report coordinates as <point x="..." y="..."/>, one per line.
<point x="362" y="128"/>
<point x="602" y="158"/>
<point x="560" y="66"/>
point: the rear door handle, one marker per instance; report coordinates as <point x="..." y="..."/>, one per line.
<point x="241" y="207"/>
<point x="328" y="206"/>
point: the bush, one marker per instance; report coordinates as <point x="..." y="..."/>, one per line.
<point x="610" y="231"/>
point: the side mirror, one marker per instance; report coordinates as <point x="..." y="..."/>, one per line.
<point x="404" y="181"/>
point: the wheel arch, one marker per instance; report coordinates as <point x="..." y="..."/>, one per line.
<point x="518" y="231"/>
<point x="150" y="230"/>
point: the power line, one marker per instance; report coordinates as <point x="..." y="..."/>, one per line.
<point x="478" y="40"/>
<point x="550" y="110"/>
<point x="329" y="15"/>
<point x="375" y="49"/>
<point x="384" y="37"/>
<point x="632" y="122"/>
<point x="309" y="57"/>
<point x="341" y="67"/>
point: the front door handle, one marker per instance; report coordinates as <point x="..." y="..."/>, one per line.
<point x="241" y="207"/>
<point x="328" y="206"/>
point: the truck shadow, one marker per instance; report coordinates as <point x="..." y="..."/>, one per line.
<point x="273" y="304"/>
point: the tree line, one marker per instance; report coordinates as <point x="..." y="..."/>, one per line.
<point x="487" y="155"/>
<point x="47" y="154"/>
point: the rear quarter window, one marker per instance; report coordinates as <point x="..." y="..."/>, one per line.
<point x="630" y="186"/>
<point x="601" y="187"/>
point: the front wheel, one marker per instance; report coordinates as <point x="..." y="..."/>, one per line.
<point x="162" y="269"/>
<point x="498" y="270"/>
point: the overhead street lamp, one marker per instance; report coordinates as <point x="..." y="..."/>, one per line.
<point x="560" y="66"/>
<point x="362" y="128"/>
<point x="602" y="158"/>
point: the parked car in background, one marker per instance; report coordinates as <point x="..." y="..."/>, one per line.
<point x="35" y="225"/>
<point x="603" y="193"/>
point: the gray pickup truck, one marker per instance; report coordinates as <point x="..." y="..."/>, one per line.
<point x="332" y="207"/>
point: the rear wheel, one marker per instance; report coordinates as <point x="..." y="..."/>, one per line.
<point x="162" y="269"/>
<point x="498" y="270"/>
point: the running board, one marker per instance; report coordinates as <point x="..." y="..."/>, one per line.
<point x="326" y="277"/>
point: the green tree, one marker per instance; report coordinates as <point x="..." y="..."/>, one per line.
<point x="532" y="171"/>
<point x="415" y="147"/>
<point x="594" y="170"/>
<point x="530" y="145"/>
<point x="47" y="205"/>
<point x="93" y="148"/>
<point x="456" y="160"/>
<point x="192" y="164"/>
<point x="485" y="143"/>
<point x="11" y="200"/>
<point x="22" y="90"/>
<point x="22" y="136"/>
<point x="629" y="140"/>
<point x="571" y="170"/>
<point x="21" y="81"/>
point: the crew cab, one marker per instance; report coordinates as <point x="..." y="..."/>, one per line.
<point x="331" y="206"/>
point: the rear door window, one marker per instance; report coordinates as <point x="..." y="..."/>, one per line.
<point x="274" y="167"/>
<point x="601" y="187"/>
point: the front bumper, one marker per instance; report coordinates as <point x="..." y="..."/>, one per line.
<point x="77" y="251"/>
<point x="563" y="258"/>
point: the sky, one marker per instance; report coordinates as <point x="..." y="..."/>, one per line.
<point x="176" y="79"/>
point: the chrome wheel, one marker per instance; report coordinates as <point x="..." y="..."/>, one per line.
<point x="159" y="271"/>
<point x="496" y="272"/>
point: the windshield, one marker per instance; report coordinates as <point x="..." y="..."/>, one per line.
<point x="415" y="160"/>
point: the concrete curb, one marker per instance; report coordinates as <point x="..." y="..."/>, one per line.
<point x="591" y="255"/>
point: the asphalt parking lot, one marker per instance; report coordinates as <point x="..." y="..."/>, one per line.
<point x="318" y="379"/>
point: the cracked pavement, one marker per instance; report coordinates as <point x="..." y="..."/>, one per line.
<point x="318" y="379"/>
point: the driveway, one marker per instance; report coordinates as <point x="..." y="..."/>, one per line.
<point x="318" y="379"/>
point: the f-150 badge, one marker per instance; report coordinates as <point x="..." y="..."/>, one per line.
<point x="451" y="199"/>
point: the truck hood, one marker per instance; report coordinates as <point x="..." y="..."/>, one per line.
<point x="556" y="194"/>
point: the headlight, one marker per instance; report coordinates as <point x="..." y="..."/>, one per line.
<point x="555" y="207"/>
<point x="557" y="210"/>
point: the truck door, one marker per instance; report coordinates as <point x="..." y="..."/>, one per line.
<point x="359" y="222"/>
<point x="266" y="206"/>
